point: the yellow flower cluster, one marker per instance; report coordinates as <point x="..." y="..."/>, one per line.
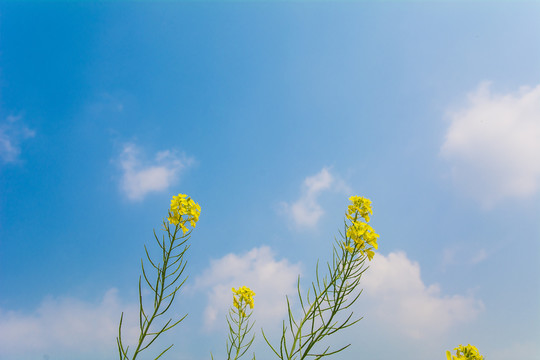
<point x="245" y="295"/>
<point x="360" y="206"/>
<point x="363" y="235"/>
<point x="468" y="352"/>
<point x="184" y="209"/>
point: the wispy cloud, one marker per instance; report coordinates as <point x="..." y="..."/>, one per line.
<point x="106" y="103"/>
<point x="493" y="145"/>
<point x="12" y="133"/>
<point x="448" y="258"/>
<point x="480" y="256"/>
<point x="306" y="211"/>
<point x="258" y="269"/>
<point x="140" y="178"/>
<point x="399" y="299"/>
<point x="66" y="328"/>
<point x="522" y="350"/>
<point x="459" y="255"/>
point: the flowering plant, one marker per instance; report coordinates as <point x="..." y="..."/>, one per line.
<point x="239" y="325"/>
<point x="331" y="294"/>
<point x="169" y="278"/>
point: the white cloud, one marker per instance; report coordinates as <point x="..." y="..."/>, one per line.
<point x="12" y="133"/>
<point x="66" y="327"/>
<point x="493" y="145"/>
<point x="399" y="298"/>
<point x="140" y="178"/>
<point x="257" y="269"/>
<point x="306" y="211"/>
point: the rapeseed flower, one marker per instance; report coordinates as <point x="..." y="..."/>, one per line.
<point x="468" y="352"/>
<point x="348" y="248"/>
<point x="360" y="206"/>
<point x="183" y="209"/>
<point x="245" y="297"/>
<point x="362" y="234"/>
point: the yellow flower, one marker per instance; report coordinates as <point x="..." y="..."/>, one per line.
<point x="245" y="297"/>
<point x="348" y="248"/>
<point x="360" y="206"/>
<point x="371" y="239"/>
<point x="183" y="209"/>
<point x="370" y="254"/>
<point x="468" y="352"/>
<point x="360" y="232"/>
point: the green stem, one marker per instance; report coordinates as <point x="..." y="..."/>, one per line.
<point x="240" y="320"/>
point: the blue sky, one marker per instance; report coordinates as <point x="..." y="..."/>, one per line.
<point x="270" y="115"/>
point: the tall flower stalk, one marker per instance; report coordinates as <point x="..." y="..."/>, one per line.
<point x="332" y="294"/>
<point x="168" y="277"/>
<point x="239" y="323"/>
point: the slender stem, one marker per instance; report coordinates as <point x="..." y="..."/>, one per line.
<point x="239" y="332"/>
<point x="160" y="296"/>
